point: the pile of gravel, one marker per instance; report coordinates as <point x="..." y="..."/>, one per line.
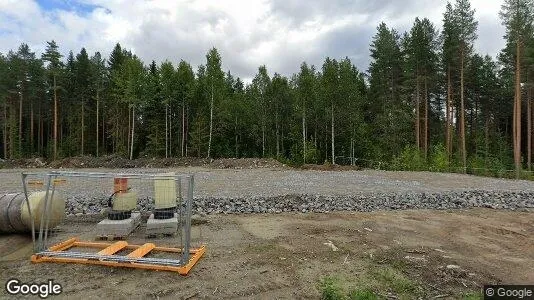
<point x="322" y="204"/>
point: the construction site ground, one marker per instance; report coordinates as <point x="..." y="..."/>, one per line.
<point x="405" y="254"/>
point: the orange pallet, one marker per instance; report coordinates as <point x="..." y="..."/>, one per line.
<point x="107" y="257"/>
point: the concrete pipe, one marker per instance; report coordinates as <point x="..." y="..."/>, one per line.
<point x="15" y="216"/>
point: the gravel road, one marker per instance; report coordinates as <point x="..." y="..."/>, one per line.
<point x="238" y="191"/>
<point x="276" y="182"/>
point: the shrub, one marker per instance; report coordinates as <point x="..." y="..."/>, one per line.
<point x="410" y="159"/>
<point x="438" y="159"/>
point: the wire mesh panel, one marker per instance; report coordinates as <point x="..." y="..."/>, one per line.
<point x="121" y="201"/>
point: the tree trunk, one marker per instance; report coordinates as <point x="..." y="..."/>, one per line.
<point x="529" y="130"/>
<point x="170" y="129"/>
<point x="12" y="124"/>
<point x="262" y="128"/>
<point x="186" y="132"/>
<point x="333" y="144"/>
<point x="462" y="108"/>
<point x="20" y="123"/>
<point x="235" y="132"/>
<point x="5" y="129"/>
<point x="417" y="115"/>
<point x="39" y="118"/>
<point x="427" y="130"/>
<point x="104" y="146"/>
<point x="449" y="116"/>
<point x="133" y="133"/>
<point x="183" y="128"/>
<point x="31" y="128"/>
<point x="277" y="134"/>
<point x="83" y="126"/>
<point x="166" y="130"/>
<point x="97" y="122"/>
<point x="211" y="121"/>
<point x="352" y="151"/>
<point x="128" y="138"/>
<point x="486" y="138"/>
<point x="41" y="132"/>
<point x="517" y="115"/>
<point x="55" y="118"/>
<point x="304" y="131"/>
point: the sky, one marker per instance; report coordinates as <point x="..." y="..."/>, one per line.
<point x="280" y="34"/>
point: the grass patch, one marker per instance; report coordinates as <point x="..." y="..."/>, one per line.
<point x="363" y="294"/>
<point x="392" y="279"/>
<point x="261" y="248"/>
<point x="330" y="289"/>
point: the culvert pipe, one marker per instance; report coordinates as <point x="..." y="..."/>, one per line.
<point x="15" y="216"/>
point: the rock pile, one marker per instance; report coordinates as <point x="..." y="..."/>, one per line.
<point x="323" y="204"/>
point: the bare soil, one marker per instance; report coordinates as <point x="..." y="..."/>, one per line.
<point x="401" y="253"/>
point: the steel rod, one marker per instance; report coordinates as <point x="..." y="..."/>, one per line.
<point x="41" y="245"/>
<point x="118" y="258"/>
<point x="48" y="208"/>
<point x="188" y="208"/>
<point x="29" y="209"/>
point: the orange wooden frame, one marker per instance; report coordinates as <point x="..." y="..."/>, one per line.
<point x="112" y="248"/>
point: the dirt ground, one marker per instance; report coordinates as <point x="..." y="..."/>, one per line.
<point x="405" y="254"/>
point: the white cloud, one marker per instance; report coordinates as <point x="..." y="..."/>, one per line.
<point x="278" y="33"/>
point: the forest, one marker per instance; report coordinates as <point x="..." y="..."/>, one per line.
<point x="427" y="101"/>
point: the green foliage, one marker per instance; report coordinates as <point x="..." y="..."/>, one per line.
<point x="363" y="294"/>
<point x="208" y="111"/>
<point x="439" y="161"/>
<point x="396" y="281"/>
<point x="330" y="289"/>
<point x="312" y="154"/>
<point x="410" y="159"/>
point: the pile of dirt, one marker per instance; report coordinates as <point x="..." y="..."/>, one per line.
<point x="329" y="167"/>
<point x="118" y="162"/>
<point x="245" y="163"/>
<point x="26" y="163"/>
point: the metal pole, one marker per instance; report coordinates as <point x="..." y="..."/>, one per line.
<point x="187" y="228"/>
<point x="48" y="209"/>
<point x="181" y="211"/>
<point x="40" y="245"/>
<point x="29" y="209"/>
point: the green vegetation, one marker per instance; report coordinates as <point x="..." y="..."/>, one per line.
<point x="375" y="283"/>
<point x="427" y="101"/>
<point x="330" y="289"/>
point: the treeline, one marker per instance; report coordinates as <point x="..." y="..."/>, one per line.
<point x="427" y="99"/>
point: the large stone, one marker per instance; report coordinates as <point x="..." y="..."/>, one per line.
<point x="161" y="226"/>
<point x="118" y="228"/>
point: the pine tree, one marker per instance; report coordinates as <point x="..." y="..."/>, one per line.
<point x="517" y="16"/>
<point x="52" y="56"/>
<point x="3" y="102"/>
<point x="467" y="25"/>
<point x="421" y="62"/>
<point x="450" y="37"/>
<point x="168" y="92"/>
<point x="391" y="111"/>
<point x="98" y="81"/>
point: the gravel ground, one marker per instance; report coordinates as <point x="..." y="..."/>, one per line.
<point x="281" y="190"/>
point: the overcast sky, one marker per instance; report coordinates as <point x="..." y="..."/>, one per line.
<point x="278" y="33"/>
